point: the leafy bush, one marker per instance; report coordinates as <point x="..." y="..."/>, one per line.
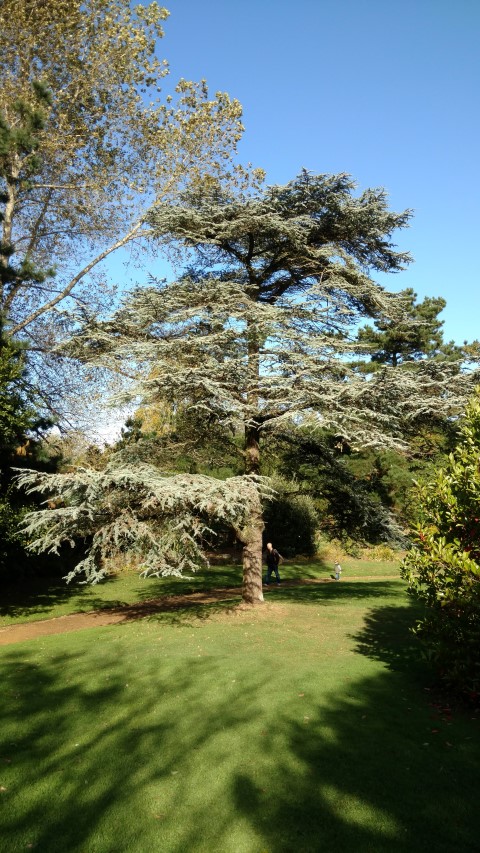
<point x="17" y="563"/>
<point x="11" y="545"/>
<point x="443" y="569"/>
<point x="381" y="553"/>
<point x="21" y="428"/>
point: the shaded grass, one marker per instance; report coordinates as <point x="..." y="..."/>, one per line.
<point x="47" y="598"/>
<point x="304" y="725"/>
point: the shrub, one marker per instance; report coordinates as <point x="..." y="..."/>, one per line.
<point x="12" y="553"/>
<point x="443" y="568"/>
<point x="380" y="553"/>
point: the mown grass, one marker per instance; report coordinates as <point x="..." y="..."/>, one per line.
<point x="305" y="725"/>
<point x="46" y="598"/>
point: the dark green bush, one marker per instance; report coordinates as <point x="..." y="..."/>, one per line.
<point x="443" y="569"/>
<point x="291" y="525"/>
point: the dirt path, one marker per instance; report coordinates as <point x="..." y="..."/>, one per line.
<point x="130" y="612"/>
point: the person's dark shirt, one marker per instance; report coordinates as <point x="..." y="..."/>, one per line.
<point x="273" y="558"/>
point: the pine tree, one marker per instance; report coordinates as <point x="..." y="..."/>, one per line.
<point x="21" y="426"/>
<point x="17" y="412"/>
<point x="418" y="337"/>
<point x="256" y="337"/>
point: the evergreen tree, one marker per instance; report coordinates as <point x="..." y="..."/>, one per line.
<point x="365" y="493"/>
<point x="352" y="491"/>
<point x="417" y="337"/>
<point x="257" y="338"/>
<point x="407" y="345"/>
<point x="17" y="415"/>
<point x="20" y="428"/>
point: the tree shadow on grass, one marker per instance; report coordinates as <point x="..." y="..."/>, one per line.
<point x="203" y="581"/>
<point x="387" y="636"/>
<point x="374" y="767"/>
<point x="179" y="614"/>
<point x="38" y="596"/>
<point x="123" y="745"/>
<point x="366" y="773"/>
<point x="90" y="762"/>
<point x="330" y="592"/>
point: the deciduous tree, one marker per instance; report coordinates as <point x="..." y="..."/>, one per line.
<point x="77" y="184"/>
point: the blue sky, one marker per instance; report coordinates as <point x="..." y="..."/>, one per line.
<point x="382" y="89"/>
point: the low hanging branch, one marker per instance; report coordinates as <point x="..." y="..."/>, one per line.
<point x="162" y="518"/>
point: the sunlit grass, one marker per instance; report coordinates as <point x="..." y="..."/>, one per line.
<point x="45" y="599"/>
<point x="304" y="725"/>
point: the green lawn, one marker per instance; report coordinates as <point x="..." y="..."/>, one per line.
<point x="305" y="725"/>
<point x="44" y="598"/>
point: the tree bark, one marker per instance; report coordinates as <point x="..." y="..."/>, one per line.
<point x="251" y="534"/>
<point x="69" y="287"/>
<point x="7" y="222"/>
<point x="251" y="537"/>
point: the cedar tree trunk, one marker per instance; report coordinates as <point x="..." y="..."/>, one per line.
<point x="251" y="533"/>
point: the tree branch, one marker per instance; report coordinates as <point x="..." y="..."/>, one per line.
<point x="74" y="281"/>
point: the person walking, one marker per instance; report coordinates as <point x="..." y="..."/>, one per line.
<point x="273" y="559"/>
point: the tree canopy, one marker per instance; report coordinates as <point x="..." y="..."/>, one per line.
<point x="18" y="412"/>
<point x="258" y="335"/>
<point x="79" y="173"/>
<point x="417" y="338"/>
<point x="21" y="428"/>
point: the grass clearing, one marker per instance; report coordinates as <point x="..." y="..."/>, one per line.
<point x="304" y="725"/>
<point x="47" y="598"/>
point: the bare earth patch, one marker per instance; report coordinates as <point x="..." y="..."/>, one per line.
<point x="165" y="604"/>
